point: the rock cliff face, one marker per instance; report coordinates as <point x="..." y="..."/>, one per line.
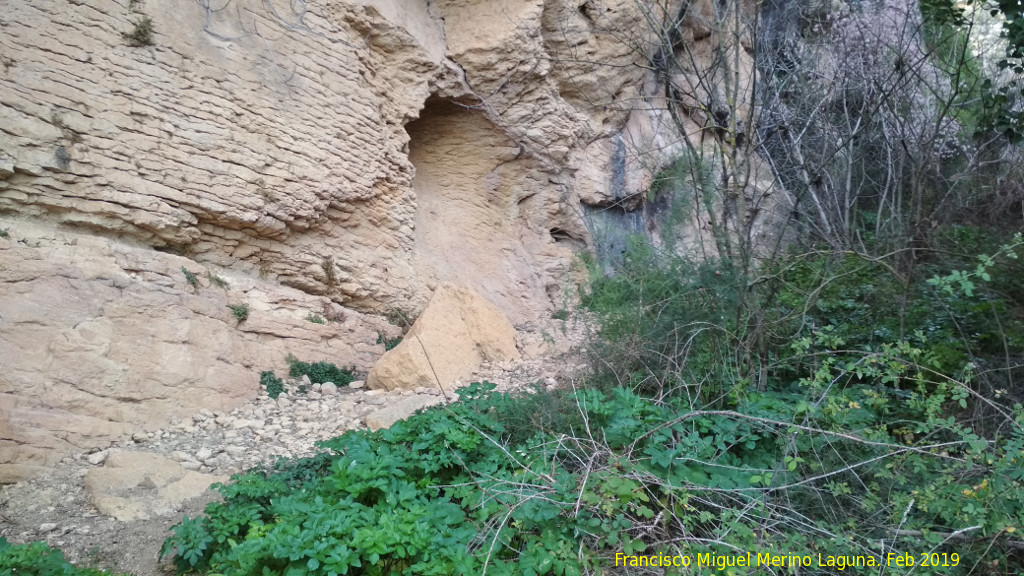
<point x="100" y="339"/>
<point x="355" y="154"/>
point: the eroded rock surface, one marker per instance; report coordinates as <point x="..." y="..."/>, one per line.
<point x="140" y="485"/>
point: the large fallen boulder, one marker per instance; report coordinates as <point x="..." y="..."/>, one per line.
<point x="456" y="332"/>
<point x="140" y="485"/>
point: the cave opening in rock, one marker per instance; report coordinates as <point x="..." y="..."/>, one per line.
<point x="470" y="225"/>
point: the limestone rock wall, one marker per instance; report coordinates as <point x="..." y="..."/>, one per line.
<point x="354" y="154"/>
<point x="100" y="339"/>
<point x="266" y="145"/>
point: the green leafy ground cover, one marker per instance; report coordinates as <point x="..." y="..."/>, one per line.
<point x="444" y="493"/>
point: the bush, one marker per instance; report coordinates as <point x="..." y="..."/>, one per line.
<point x="320" y="372"/>
<point x="240" y="312"/>
<point x="141" y="34"/>
<point x="191" y="278"/>
<point x="217" y="280"/>
<point x="865" y="424"/>
<point x="273" y="385"/>
<point x="667" y="323"/>
<point x="38" y="559"/>
<point x="389" y="343"/>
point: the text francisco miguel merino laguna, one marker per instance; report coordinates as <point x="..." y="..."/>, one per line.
<point x="720" y="562"/>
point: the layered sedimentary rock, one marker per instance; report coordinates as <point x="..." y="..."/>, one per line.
<point x="100" y="339"/>
<point x="345" y="153"/>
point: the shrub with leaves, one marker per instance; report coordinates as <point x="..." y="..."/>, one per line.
<point x="867" y="425"/>
<point x="188" y="545"/>
<point x="320" y="372"/>
<point x="271" y="383"/>
<point x="389" y="343"/>
<point x="38" y="559"/>
<point x="141" y="34"/>
<point x="240" y="312"/>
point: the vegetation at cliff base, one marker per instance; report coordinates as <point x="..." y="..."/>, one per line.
<point x="878" y="419"/>
<point x="320" y="372"/>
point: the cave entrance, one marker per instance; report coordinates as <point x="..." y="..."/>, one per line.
<point x="470" y="187"/>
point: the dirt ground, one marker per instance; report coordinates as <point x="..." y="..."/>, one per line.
<point x="55" y="508"/>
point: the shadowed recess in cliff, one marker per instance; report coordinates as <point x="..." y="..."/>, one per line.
<point x="484" y="208"/>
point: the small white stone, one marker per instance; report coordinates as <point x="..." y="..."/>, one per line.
<point x="283" y="402"/>
<point x="97" y="458"/>
<point x="47" y="527"/>
<point x="329" y="389"/>
<point x="203" y="453"/>
<point x="357" y="384"/>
